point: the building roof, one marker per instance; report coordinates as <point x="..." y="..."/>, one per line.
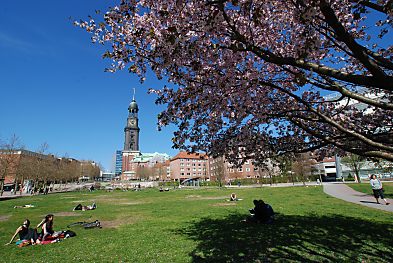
<point x="133" y="106"/>
<point x="25" y="152"/>
<point x="328" y="159"/>
<point x="185" y="155"/>
<point x="147" y="157"/>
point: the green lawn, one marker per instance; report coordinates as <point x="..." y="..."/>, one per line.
<point x="366" y="188"/>
<point x="201" y="226"/>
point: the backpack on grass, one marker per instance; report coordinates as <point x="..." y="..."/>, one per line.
<point x="87" y="224"/>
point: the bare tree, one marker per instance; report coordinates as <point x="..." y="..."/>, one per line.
<point x="219" y="170"/>
<point x="73" y="171"/>
<point x="90" y="169"/>
<point x="43" y="166"/>
<point x="143" y="172"/>
<point x="159" y="170"/>
<point x="355" y="162"/>
<point x="25" y="170"/>
<point x="9" y="159"/>
<point x="385" y="166"/>
<point x="302" y="166"/>
<point x="268" y="169"/>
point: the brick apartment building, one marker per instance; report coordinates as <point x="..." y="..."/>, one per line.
<point x="189" y="166"/>
<point x="219" y="168"/>
<point x="200" y="166"/>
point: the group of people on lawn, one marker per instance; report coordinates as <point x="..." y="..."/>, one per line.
<point x="43" y="233"/>
<point x="33" y="236"/>
<point x="261" y="213"/>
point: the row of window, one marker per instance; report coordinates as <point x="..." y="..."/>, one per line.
<point x="231" y="170"/>
<point x="189" y="169"/>
<point x="193" y="160"/>
<point x="188" y="164"/>
<point x="194" y="174"/>
<point x="218" y="160"/>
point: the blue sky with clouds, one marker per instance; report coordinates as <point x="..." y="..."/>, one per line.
<point x="53" y="87"/>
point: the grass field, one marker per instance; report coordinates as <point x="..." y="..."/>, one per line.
<point x="201" y="226"/>
<point x="366" y="188"/>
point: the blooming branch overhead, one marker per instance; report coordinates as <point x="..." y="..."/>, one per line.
<point x="262" y="77"/>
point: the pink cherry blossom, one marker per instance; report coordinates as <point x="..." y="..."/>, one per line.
<point x="262" y="78"/>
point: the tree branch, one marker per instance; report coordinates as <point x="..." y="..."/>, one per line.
<point x="345" y="37"/>
<point x="334" y="124"/>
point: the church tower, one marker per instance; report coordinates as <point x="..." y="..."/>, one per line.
<point x="131" y="141"/>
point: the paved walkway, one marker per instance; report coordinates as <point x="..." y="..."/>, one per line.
<point x="346" y="193"/>
<point x="70" y="187"/>
<point x="337" y="190"/>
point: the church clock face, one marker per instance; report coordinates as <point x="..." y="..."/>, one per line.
<point x="131" y="122"/>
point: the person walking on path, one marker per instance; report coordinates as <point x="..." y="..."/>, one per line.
<point x="376" y="185"/>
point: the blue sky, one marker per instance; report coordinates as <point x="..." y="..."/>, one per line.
<point x="53" y="87"/>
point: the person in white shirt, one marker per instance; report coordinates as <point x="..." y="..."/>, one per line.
<point x="376" y="185"/>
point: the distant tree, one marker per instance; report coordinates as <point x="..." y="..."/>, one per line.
<point x="90" y="169"/>
<point x="159" y="171"/>
<point x="269" y="168"/>
<point x="143" y="172"/>
<point x="219" y="171"/>
<point x="73" y="171"/>
<point x="9" y="160"/>
<point x="355" y="163"/>
<point x="284" y="163"/>
<point x="385" y="166"/>
<point x="252" y="76"/>
<point x="43" y="166"/>
<point x="98" y="167"/>
<point x="25" y="170"/>
<point x="302" y="166"/>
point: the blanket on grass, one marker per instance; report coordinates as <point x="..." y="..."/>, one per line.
<point x="49" y="239"/>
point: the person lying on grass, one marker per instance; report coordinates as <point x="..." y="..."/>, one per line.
<point x="24" y="206"/>
<point x="25" y="233"/>
<point x="85" y="207"/>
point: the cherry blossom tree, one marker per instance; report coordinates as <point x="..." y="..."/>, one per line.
<point x="262" y="78"/>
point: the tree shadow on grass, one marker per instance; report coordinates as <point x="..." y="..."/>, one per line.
<point x="290" y="239"/>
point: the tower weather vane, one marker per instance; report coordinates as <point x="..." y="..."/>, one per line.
<point x="133" y="95"/>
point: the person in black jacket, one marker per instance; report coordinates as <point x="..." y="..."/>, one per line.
<point x="261" y="213"/>
<point x="25" y="233"/>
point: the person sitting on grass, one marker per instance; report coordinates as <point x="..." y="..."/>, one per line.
<point x="47" y="227"/>
<point x="233" y="197"/>
<point x="25" y="233"/>
<point x="261" y="213"/>
<point x="85" y="207"/>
